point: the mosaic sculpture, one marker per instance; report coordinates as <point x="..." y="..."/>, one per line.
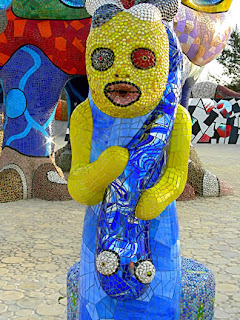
<point x="130" y="141"/>
<point x="60" y="31"/>
<point x="42" y="46"/>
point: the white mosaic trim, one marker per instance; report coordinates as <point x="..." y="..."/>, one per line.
<point x="54" y="177"/>
<point x="146" y="12"/>
<point x="22" y="176"/>
<point x="168" y="8"/>
<point x="210" y="185"/>
<point x="92" y="5"/>
<point x="142" y="11"/>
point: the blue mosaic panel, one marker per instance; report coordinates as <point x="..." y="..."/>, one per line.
<point x="160" y="300"/>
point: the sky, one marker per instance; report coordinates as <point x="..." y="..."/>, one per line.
<point x="235" y="12"/>
<point x="214" y="67"/>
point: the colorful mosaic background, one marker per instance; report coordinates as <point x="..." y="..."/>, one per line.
<point x="37" y="58"/>
<point x="63" y="42"/>
<point x="4" y="4"/>
<point x="202" y="35"/>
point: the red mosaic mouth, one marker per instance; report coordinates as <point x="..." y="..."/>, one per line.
<point x="121" y="93"/>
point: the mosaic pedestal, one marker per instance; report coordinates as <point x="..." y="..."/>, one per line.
<point x="198" y="291"/>
<point x="72" y="291"/>
<point x="197" y="296"/>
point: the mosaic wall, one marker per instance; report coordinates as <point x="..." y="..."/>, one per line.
<point x="210" y="90"/>
<point x="215" y="121"/>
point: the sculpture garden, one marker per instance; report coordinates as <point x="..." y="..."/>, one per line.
<point x="130" y="143"/>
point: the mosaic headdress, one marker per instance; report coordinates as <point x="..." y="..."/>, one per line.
<point x="148" y="10"/>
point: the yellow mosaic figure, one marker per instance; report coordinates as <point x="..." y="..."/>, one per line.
<point x="130" y="143"/>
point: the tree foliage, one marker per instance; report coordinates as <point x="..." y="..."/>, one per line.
<point x="230" y="60"/>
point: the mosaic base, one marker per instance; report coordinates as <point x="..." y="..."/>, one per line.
<point x="198" y="291"/>
<point x="197" y="296"/>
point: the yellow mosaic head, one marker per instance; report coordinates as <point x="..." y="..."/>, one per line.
<point x="127" y="62"/>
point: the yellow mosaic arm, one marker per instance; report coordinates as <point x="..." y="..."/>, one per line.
<point x="154" y="200"/>
<point x="88" y="181"/>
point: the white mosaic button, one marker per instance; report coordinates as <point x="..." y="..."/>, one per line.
<point x="145" y="271"/>
<point x="107" y="262"/>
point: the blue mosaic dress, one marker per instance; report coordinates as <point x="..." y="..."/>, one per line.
<point x="112" y="297"/>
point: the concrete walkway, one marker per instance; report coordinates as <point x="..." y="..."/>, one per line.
<point x="40" y="240"/>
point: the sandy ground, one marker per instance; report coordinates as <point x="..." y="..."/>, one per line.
<point x="40" y="240"/>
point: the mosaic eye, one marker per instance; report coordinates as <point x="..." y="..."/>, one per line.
<point x="107" y="262"/>
<point x="102" y="59"/>
<point x="145" y="271"/>
<point x="143" y="58"/>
